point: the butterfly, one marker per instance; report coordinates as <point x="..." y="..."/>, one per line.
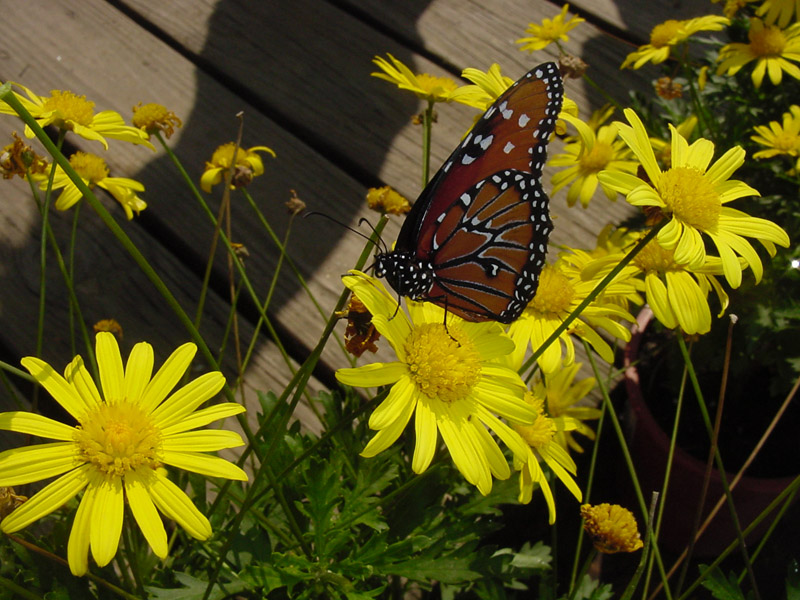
<point x="475" y="240"/>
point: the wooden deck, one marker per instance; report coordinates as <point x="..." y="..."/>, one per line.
<point x="300" y="71"/>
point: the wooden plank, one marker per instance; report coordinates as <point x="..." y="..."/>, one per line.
<point x="109" y="285"/>
<point x="135" y="61"/>
<point x="301" y="73"/>
<point x="469" y="32"/>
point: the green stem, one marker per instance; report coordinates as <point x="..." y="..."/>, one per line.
<point x="7" y="96"/>
<point x="298" y="383"/>
<point x="605" y="282"/>
<point x="786" y="494"/>
<point x="17" y="590"/>
<point x="609" y="407"/>
<point x="427" y="126"/>
<point x="720" y="467"/>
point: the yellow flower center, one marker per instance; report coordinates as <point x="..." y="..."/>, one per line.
<point x="597" y="160"/>
<point x="653" y="257"/>
<point x="612" y="528"/>
<point x="436" y="86"/>
<point x="119" y="437"/>
<point x="786" y="142"/>
<point x="767" y="41"/>
<point x="444" y="363"/>
<point x="555" y="292"/>
<point x="664" y="33"/>
<point x="70" y="107"/>
<point x="89" y="166"/>
<point x="541" y="432"/>
<point x="691" y="197"/>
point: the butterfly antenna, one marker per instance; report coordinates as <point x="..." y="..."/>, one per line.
<point x="379" y="243"/>
<point x="382" y="245"/>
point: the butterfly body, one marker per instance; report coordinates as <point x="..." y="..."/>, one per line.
<point x="475" y="240"/>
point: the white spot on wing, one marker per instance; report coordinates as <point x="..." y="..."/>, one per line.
<point x="508" y="148"/>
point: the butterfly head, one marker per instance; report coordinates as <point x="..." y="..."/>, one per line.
<point x="407" y="275"/>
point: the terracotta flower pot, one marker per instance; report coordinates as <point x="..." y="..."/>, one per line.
<point x="649" y="446"/>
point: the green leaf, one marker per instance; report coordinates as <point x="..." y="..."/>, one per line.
<point x="793" y="581"/>
<point x="722" y="588"/>
<point x="590" y="589"/>
<point x="446" y="570"/>
<point x="195" y="589"/>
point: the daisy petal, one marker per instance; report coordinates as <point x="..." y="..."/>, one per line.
<point x="33" y="424"/>
<point x="19" y="466"/>
<point x="183" y="402"/>
<point x="426" y="437"/>
<point x="209" y="440"/>
<point x="138" y="370"/>
<point x="374" y="375"/>
<point x="109" y="362"/>
<point x="167" y="376"/>
<point x="107" y="513"/>
<point x="176" y="505"/>
<point x="203" y="417"/>
<point x="145" y="513"/>
<point x="46" y="500"/>
<point x="59" y="389"/>
<point x="211" y="466"/>
<point x="79" y="536"/>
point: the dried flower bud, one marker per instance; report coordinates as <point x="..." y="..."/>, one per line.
<point x="294" y="204"/>
<point x="571" y="66"/>
<point x="360" y="334"/>
<point x="110" y="325"/>
<point x="387" y="201"/>
<point x="668" y="88"/>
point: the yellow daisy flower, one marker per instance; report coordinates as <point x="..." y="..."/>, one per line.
<point x="543" y="446"/>
<point x="677" y="295"/>
<point x="449" y="378"/>
<point x="593" y="151"/>
<point x="424" y="86"/>
<point x="663" y="148"/>
<point x="117" y="452"/>
<point x="248" y="165"/>
<point x="666" y="35"/>
<point x="551" y="30"/>
<point x="732" y="7"/>
<point x="562" y="394"/>
<point x="558" y="295"/>
<point x="71" y="112"/>
<point x="770" y="46"/>
<point x="693" y="194"/>
<point x="612" y="528"/>
<point x="94" y="172"/>
<point x="780" y="138"/>
<point x="490" y="85"/>
<point x="779" y="12"/>
<point x="484" y="89"/>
